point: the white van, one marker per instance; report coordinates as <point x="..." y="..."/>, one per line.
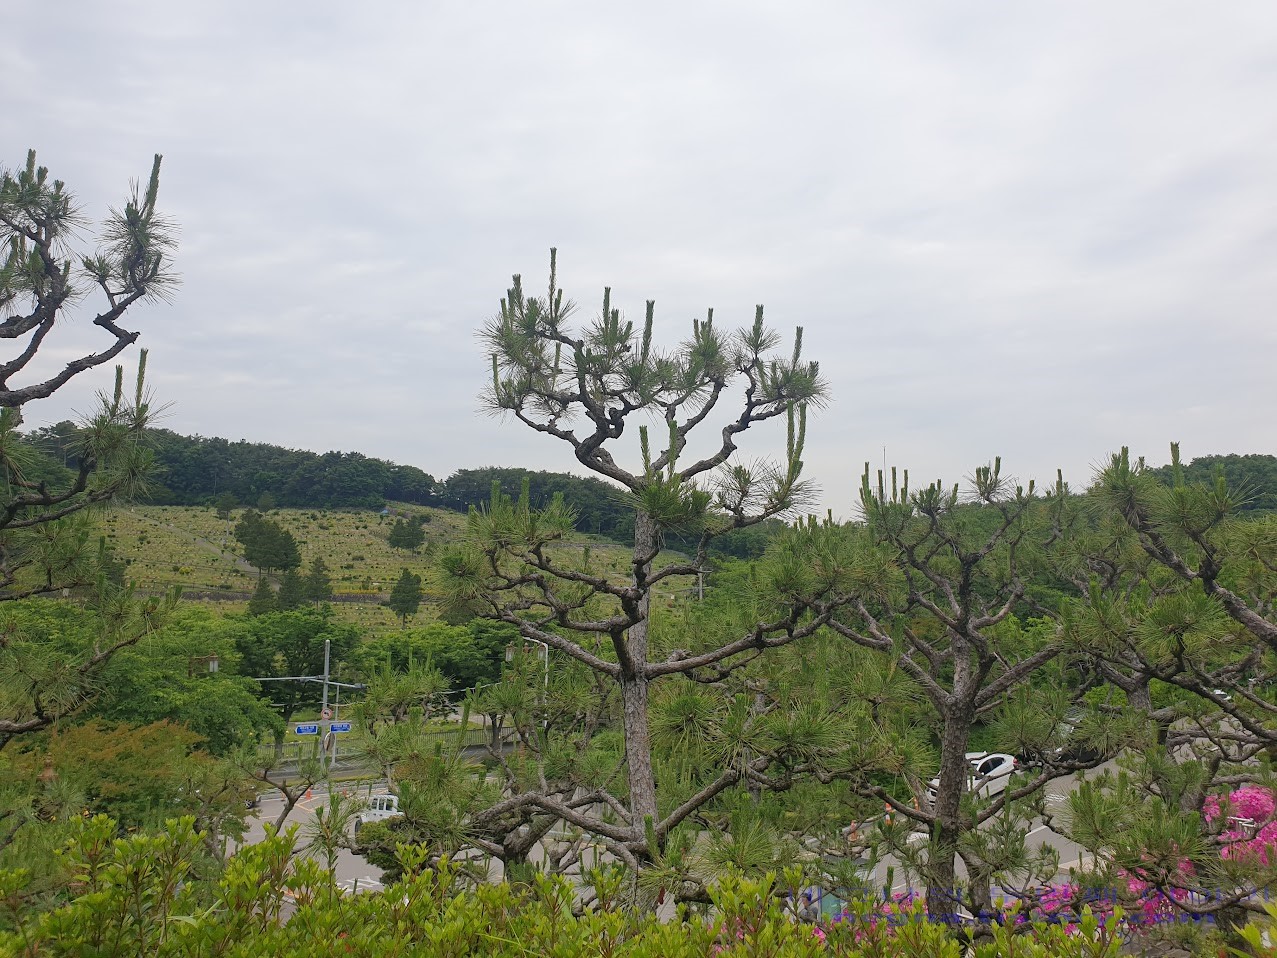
<point x="379" y="808"/>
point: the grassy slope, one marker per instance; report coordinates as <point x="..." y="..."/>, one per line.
<point x="192" y="547"/>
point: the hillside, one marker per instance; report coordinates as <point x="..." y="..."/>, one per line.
<point x="199" y="471"/>
<point x="191" y="547"/>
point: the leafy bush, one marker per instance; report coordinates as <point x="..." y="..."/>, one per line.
<point x="142" y="894"/>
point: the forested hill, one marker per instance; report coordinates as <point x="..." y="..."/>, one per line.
<point x="194" y="470"/>
<point x="1252" y="478"/>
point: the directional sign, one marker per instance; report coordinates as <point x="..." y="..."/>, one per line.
<point x="311" y="729"/>
<point x="340" y="727"/>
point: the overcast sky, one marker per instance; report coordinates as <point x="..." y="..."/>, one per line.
<point x="1033" y="230"/>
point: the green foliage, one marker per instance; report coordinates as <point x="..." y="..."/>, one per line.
<point x="405" y="597"/>
<point x="292" y="591"/>
<point x="407" y="534"/>
<point x="46" y="541"/>
<point x="142" y="895"/>
<point x="225" y="505"/>
<point x="292" y="643"/>
<point x="598" y="506"/>
<point x="167" y="677"/>
<point x="52" y="658"/>
<point x="195" y="470"/>
<point x="137" y="775"/>
<point x="466" y="655"/>
<point x="1252" y="478"/>
<point x="267" y="544"/>
<point x="263" y="600"/>
<point x="318" y="584"/>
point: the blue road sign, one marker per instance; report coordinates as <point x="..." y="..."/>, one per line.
<point x="340" y="727"/>
<point x="311" y="729"/>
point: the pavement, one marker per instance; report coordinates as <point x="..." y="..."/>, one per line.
<point x="354" y="873"/>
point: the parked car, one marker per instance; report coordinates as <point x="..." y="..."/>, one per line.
<point x="988" y="774"/>
<point x="379" y="808"/>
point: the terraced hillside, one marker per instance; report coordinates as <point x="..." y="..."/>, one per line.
<point x="190" y="546"/>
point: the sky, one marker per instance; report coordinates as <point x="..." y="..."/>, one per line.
<point x="1039" y="231"/>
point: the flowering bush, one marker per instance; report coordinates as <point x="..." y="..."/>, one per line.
<point x="1250" y="831"/>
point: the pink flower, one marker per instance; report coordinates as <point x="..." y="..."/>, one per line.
<point x="1250" y="831"/>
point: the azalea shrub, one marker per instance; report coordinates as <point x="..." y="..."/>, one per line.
<point x="1249" y="831"/>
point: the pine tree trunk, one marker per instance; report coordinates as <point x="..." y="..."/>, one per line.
<point x="943" y="896"/>
<point x="634" y="692"/>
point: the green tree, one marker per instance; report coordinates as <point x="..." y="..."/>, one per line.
<point x="1178" y="619"/>
<point x="292" y="643"/>
<point x="47" y="542"/>
<point x="405" y="597"/>
<point x="466" y="655"/>
<point x="318" y="584"/>
<point x="225" y="505"/>
<point x="583" y="387"/>
<point x="168" y="677"/>
<point x="937" y="580"/>
<point x="264" y="599"/>
<point x="292" y="591"/>
<point x="407" y="534"/>
<point x="267" y="544"/>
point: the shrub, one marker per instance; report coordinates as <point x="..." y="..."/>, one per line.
<point x="124" y="894"/>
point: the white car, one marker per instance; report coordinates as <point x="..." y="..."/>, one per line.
<point x="988" y="775"/>
<point x="380" y="807"/>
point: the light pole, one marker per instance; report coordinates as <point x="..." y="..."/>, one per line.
<point x="509" y="657"/>
<point x="324" y="714"/>
<point x="545" y="673"/>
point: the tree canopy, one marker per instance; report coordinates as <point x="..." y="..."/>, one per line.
<point x="267" y="544"/>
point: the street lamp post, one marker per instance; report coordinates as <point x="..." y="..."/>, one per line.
<point x="509" y="657"/>
<point x="325" y="715"/>
<point x="545" y="673"/>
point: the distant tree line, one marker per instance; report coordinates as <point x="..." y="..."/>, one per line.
<point x="1252" y="478"/>
<point x="194" y="470"/>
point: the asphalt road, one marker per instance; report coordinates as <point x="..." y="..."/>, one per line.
<point x="357" y="875"/>
<point x="1039" y="834"/>
<point x="353" y="872"/>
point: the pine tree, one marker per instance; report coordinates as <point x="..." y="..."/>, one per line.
<point x="582" y="385"/>
<point x="263" y="599"/>
<point x="405" y="598"/>
<point x="292" y="591"/>
<point x="318" y="584"/>
<point x="225" y="505"/>
<point x="267" y="544"/>
<point x="407" y="534"/>
<point x="48" y="544"/>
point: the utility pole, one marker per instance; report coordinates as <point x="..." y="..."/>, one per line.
<point x="325" y="722"/>
<point x="324" y="715"/>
